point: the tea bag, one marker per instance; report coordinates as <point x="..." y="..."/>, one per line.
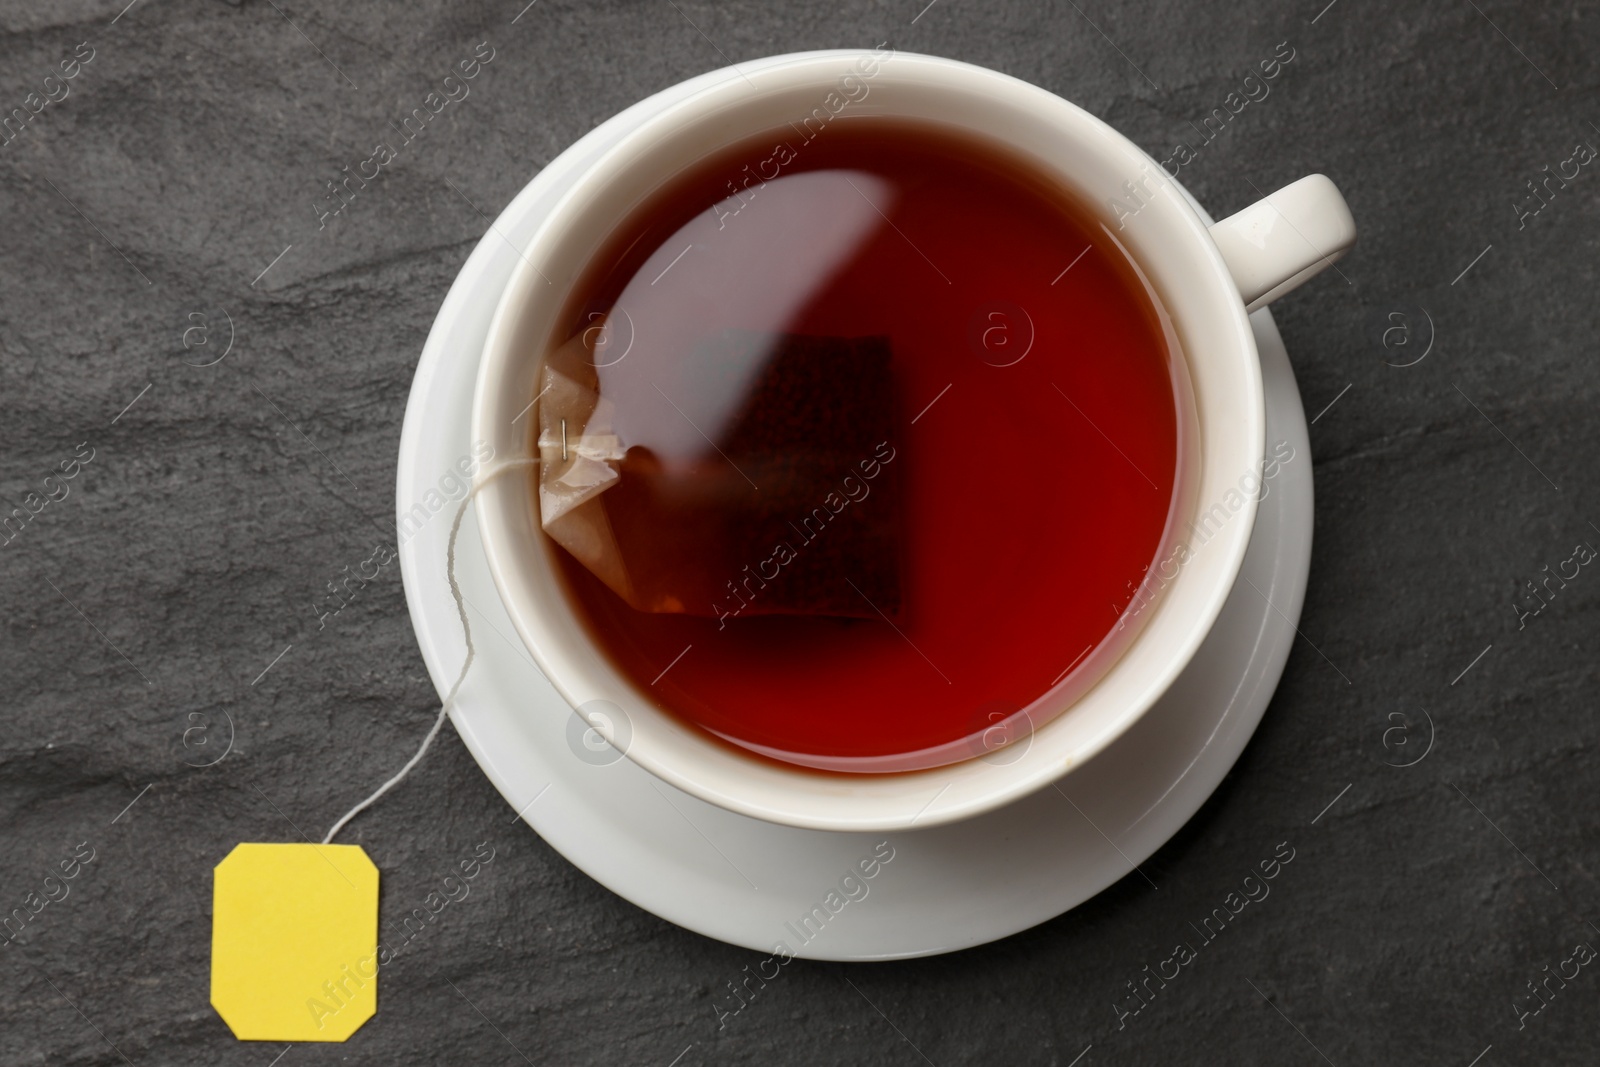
<point x="791" y="508"/>
<point x="579" y="455"/>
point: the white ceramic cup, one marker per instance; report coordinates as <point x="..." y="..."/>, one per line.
<point x="1204" y="278"/>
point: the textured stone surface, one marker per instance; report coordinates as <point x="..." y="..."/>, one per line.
<point x="191" y="548"/>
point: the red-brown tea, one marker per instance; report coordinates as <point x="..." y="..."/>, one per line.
<point x="895" y="426"/>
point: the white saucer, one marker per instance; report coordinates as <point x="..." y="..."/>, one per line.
<point x="748" y="882"/>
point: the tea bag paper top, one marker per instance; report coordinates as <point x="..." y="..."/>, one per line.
<point x="578" y="457"/>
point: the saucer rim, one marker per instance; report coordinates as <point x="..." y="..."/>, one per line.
<point x="678" y="894"/>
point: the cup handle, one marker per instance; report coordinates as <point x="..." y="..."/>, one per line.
<point x="1285" y="238"/>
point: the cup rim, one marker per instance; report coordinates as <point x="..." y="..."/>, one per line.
<point x="797" y="796"/>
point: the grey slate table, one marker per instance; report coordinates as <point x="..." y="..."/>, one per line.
<point x="173" y="184"/>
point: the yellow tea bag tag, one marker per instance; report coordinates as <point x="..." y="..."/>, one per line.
<point x="294" y="939"/>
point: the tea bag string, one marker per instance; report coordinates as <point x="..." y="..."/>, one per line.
<point x="466" y="631"/>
